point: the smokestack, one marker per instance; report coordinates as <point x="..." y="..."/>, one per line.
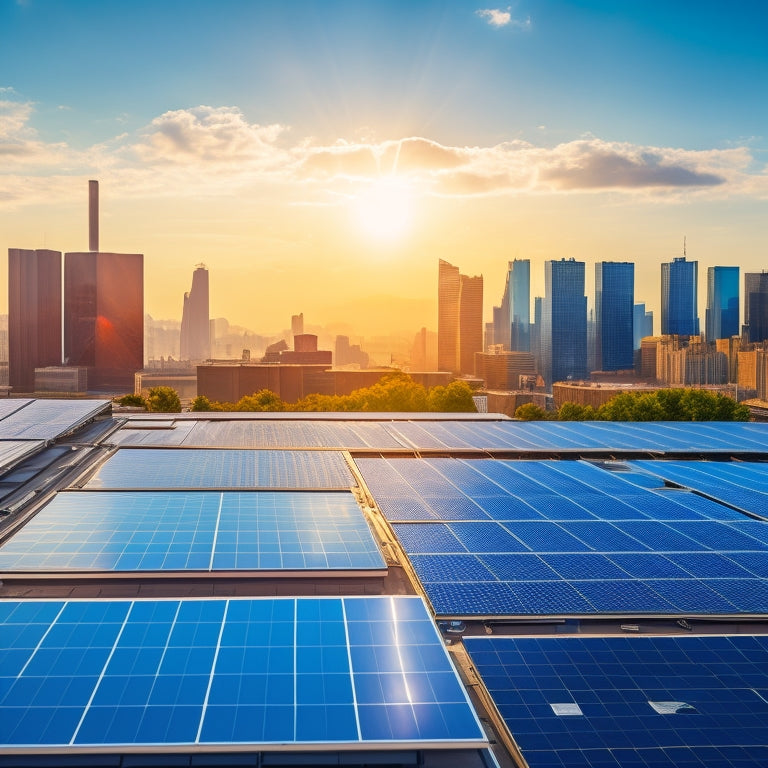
<point x="93" y="215"/>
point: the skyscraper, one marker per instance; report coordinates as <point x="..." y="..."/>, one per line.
<point x="34" y="314"/>
<point x="722" y="315"/>
<point x="756" y="305"/>
<point x="459" y="319"/>
<point x="104" y="312"/>
<point x="642" y="325"/>
<point x="563" y="338"/>
<point x="104" y="316"/>
<point x="195" y="343"/>
<point x="470" y="321"/>
<point x="512" y="320"/>
<point x="448" y="286"/>
<point x="614" y="315"/>
<point x="679" y="285"/>
<point x="518" y="291"/>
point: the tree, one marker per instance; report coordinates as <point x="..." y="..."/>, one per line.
<point x="163" y="400"/>
<point x="395" y="392"/>
<point x="455" y="398"/>
<point x="673" y="405"/>
<point x="131" y="401"/>
<point x="263" y="400"/>
<point x="531" y="412"/>
<point x="202" y="403"/>
<point x="576" y="412"/>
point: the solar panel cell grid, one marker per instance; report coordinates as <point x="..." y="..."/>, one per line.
<point x="592" y="543"/>
<point x="350" y="671"/>
<point x="196" y="468"/>
<point x="630" y="701"/>
<point x="193" y="531"/>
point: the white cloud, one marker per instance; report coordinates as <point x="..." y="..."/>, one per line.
<point x="497" y="17"/>
<point x="213" y="151"/>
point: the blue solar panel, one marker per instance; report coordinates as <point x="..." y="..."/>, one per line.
<point x="595" y="554"/>
<point x="743" y="484"/>
<point x="191" y="674"/>
<point x="640" y="701"/>
<point x="194" y="468"/>
<point x="195" y="531"/>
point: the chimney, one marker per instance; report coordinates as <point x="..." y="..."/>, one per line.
<point x="93" y="215"/>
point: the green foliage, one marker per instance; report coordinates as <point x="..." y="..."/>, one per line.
<point x="531" y="412"/>
<point x="202" y="403"/>
<point x="163" y="400"/>
<point x="263" y="400"/>
<point x="576" y="412"/>
<point x="131" y="401"/>
<point x="322" y="403"/>
<point x="673" y="405"/>
<point x="455" y="398"/>
<point x="395" y="392"/>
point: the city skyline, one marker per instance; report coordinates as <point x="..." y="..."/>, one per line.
<point x="313" y="155"/>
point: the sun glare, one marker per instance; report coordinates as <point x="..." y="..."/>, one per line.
<point x="383" y="210"/>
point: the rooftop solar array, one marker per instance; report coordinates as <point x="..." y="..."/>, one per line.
<point x="614" y="702"/>
<point x="201" y="468"/>
<point x="543" y="538"/>
<point x="194" y="531"/>
<point x="282" y="673"/>
<point x="741" y="484"/>
<point x="349" y="432"/>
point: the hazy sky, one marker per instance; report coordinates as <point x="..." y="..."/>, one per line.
<point x="322" y="156"/>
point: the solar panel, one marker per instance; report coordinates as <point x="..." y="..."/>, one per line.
<point x="557" y="551"/>
<point x="406" y="432"/>
<point x="49" y="419"/>
<point x="194" y="531"/>
<point x="199" y="468"/>
<point x="277" y="673"/>
<point x="14" y="451"/>
<point x="743" y="484"/>
<point x="630" y="701"/>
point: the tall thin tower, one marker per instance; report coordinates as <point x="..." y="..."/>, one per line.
<point x="195" y="320"/>
<point x="93" y="215"/>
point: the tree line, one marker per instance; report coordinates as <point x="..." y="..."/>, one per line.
<point x="395" y="392"/>
<point x="661" y="405"/>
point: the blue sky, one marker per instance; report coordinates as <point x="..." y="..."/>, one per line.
<point x="234" y="131"/>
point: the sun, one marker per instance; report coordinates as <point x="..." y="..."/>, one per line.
<point x="383" y="209"/>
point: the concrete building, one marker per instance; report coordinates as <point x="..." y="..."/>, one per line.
<point x="459" y="319"/>
<point x="61" y="379"/>
<point x="104" y="311"/>
<point x="34" y="314"/>
<point x="503" y="370"/>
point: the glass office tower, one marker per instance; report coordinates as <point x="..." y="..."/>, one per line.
<point x="614" y="315"/>
<point x="563" y="337"/>
<point x="722" y="317"/>
<point x="679" y="309"/>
